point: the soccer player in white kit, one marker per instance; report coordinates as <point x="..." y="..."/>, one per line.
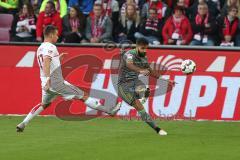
<point x="53" y="83"/>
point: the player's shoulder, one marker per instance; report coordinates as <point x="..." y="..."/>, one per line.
<point x="130" y="54"/>
<point x="48" y="46"/>
<point x="132" y="51"/>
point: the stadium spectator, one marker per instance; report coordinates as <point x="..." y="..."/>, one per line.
<point x="212" y="8"/>
<point x="204" y="27"/>
<point x="109" y="6"/>
<point x="139" y="3"/>
<point x="60" y="5"/>
<point x="162" y="9"/>
<point x="73" y="26"/>
<point x="85" y="6"/>
<point x="177" y="29"/>
<point x="237" y="39"/>
<point x="128" y="25"/>
<point x="111" y="9"/>
<point x="228" y="26"/>
<point x="219" y="4"/>
<point x="36" y="5"/>
<point x="151" y="28"/>
<point x="48" y="17"/>
<point x="24" y="25"/>
<point x="124" y="6"/>
<point x="9" y="6"/>
<point x="184" y="3"/>
<point x="99" y="27"/>
<point x="228" y="4"/>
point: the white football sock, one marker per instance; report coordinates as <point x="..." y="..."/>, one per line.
<point x="34" y="112"/>
<point x="95" y="104"/>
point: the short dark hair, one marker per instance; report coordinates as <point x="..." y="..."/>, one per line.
<point x="142" y="41"/>
<point x="52" y="4"/>
<point x="153" y="8"/>
<point x="180" y="8"/>
<point x="49" y="30"/>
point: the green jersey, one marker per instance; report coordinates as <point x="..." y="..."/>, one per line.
<point x="126" y="74"/>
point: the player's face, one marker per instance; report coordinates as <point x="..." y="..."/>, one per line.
<point x="142" y="50"/>
<point x="55" y="36"/>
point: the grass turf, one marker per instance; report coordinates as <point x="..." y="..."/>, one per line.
<point x="111" y="139"/>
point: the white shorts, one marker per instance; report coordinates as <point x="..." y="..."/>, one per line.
<point x="66" y="90"/>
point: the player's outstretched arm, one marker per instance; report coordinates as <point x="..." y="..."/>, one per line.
<point x="135" y="68"/>
<point x="157" y="74"/>
<point x="62" y="55"/>
<point x="154" y="73"/>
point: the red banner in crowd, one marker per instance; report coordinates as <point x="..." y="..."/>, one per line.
<point x="211" y="93"/>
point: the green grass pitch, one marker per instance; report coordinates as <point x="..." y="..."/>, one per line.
<point x="49" y="138"/>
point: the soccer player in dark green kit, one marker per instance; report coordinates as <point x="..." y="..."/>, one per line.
<point x="133" y="63"/>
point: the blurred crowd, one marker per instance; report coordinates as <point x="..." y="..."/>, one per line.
<point x="173" y="22"/>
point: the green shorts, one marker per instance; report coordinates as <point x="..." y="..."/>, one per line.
<point x="127" y="91"/>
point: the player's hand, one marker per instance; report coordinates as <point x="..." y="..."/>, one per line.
<point x="171" y="82"/>
<point x="145" y="72"/>
<point x="62" y="55"/>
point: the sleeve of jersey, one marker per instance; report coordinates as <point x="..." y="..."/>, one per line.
<point x="49" y="52"/>
<point x="128" y="56"/>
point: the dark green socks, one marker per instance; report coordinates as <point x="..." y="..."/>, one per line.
<point x="146" y="118"/>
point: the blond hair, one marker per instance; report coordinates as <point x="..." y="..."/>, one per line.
<point x="229" y="3"/>
<point x="126" y="16"/>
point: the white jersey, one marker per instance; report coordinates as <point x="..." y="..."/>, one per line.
<point x="50" y="50"/>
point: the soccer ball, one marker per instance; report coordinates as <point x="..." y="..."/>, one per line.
<point x="188" y="66"/>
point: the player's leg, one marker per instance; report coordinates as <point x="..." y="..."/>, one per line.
<point x="69" y="91"/>
<point x="97" y="105"/>
<point x="47" y="98"/>
<point x="147" y="118"/>
<point x="127" y="92"/>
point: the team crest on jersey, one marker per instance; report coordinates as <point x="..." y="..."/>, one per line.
<point x="50" y="52"/>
